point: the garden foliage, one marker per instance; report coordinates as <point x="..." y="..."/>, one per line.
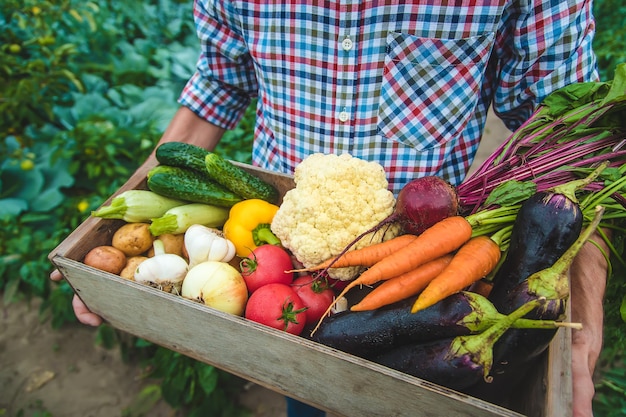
<point x="86" y="90"/>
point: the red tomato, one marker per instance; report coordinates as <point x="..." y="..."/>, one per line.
<point x="266" y="265"/>
<point x="316" y="295"/>
<point x="277" y="306"/>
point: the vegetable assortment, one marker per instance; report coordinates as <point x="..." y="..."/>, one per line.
<point x="412" y="262"/>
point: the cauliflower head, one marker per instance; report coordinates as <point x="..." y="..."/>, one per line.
<point x="336" y="198"/>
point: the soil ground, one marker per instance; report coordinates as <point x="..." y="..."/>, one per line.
<point x="64" y="373"/>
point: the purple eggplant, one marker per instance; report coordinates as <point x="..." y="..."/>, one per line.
<point x="546" y="225"/>
<point x="518" y="348"/>
<point x="368" y="333"/>
<point x="552" y="284"/>
<point x="457" y="362"/>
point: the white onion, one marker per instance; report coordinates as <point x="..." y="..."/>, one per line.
<point x="217" y="285"/>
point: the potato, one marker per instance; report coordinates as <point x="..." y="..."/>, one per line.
<point x="131" y="265"/>
<point x="133" y="238"/>
<point x="173" y="243"/>
<point x="106" y="258"/>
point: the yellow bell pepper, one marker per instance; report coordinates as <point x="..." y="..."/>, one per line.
<point x="248" y="225"/>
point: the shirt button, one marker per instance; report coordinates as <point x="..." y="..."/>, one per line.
<point x="346" y="44"/>
<point x="344" y="116"/>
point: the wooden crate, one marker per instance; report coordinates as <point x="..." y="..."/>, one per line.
<point x="318" y="375"/>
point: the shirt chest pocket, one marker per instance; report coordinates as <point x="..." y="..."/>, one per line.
<point x="430" y="87"/>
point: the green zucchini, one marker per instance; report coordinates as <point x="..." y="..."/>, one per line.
<point x="189" y="185"/>
<point x="238" y="180"/>
<point x="136" y="206"/>
<point x="180" y="154"/>
<point x="178" y="219"/>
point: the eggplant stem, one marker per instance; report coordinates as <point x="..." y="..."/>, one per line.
<point x="480" y="346"/>
<point x="544" y="324"/>
<point x="569" y="189"/>
<point x="552" y="282"/>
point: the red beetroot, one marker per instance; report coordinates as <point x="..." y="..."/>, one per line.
<point x="423" y="202"/>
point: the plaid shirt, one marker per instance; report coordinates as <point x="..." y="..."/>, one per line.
<point x="406" y="84"/>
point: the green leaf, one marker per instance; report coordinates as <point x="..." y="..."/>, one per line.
<point x="575" y="95"/>
<point x="106" y="336"/>
<point x="618" y="86"/>
<point x="143" y="343"/>
<point x="174" y="388"/>
<point x="89" y="104"/>
<point x="10" y="290"/>
<point x="622" y="309"/>
<point x="33" y="274"/>
<point x="143" y="403"/>
<point x="12" y="207"/>
<point x="511" y="192"/>
<point x="24" y="184"/>
<point x="73" y="79"/>
<point x="47" y="200"/>
<point x="208" y="377"/>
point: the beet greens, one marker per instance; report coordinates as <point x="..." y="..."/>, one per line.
<point x="576" y="127"/>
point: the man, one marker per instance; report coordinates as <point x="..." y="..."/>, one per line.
<point x="405" y="84"/>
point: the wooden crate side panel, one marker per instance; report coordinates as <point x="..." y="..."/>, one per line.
<point x="321" y="376"/>
<point x="548" y="386"/>
<point x="559" y="390"/>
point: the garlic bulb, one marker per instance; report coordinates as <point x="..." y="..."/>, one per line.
<point x="206" y="244"/>
<point x="164" y="271"/>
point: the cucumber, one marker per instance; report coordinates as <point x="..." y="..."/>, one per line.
<point x="184" y="155"/>
<point x="189" y="185"/>
<point x="238" y="180"/>
<point x="220" y="170"/>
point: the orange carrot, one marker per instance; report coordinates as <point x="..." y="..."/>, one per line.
<point x="440" y="239"/>
<point x="365" y="256"/>
<point x="402" y="286"/>
<point x="473" y="261"/>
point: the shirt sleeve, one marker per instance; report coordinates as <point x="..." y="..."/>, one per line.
<point x="224" y="82"/>
<point x="543" y="46"/>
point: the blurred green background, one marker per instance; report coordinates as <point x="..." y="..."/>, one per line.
<point x="86" y="89"/>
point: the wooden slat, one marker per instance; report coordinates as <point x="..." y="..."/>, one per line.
<point x="559" y="390"/>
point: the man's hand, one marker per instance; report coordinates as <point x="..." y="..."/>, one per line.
<point x="80" y="309"/>
<point x="588" y="282"/>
